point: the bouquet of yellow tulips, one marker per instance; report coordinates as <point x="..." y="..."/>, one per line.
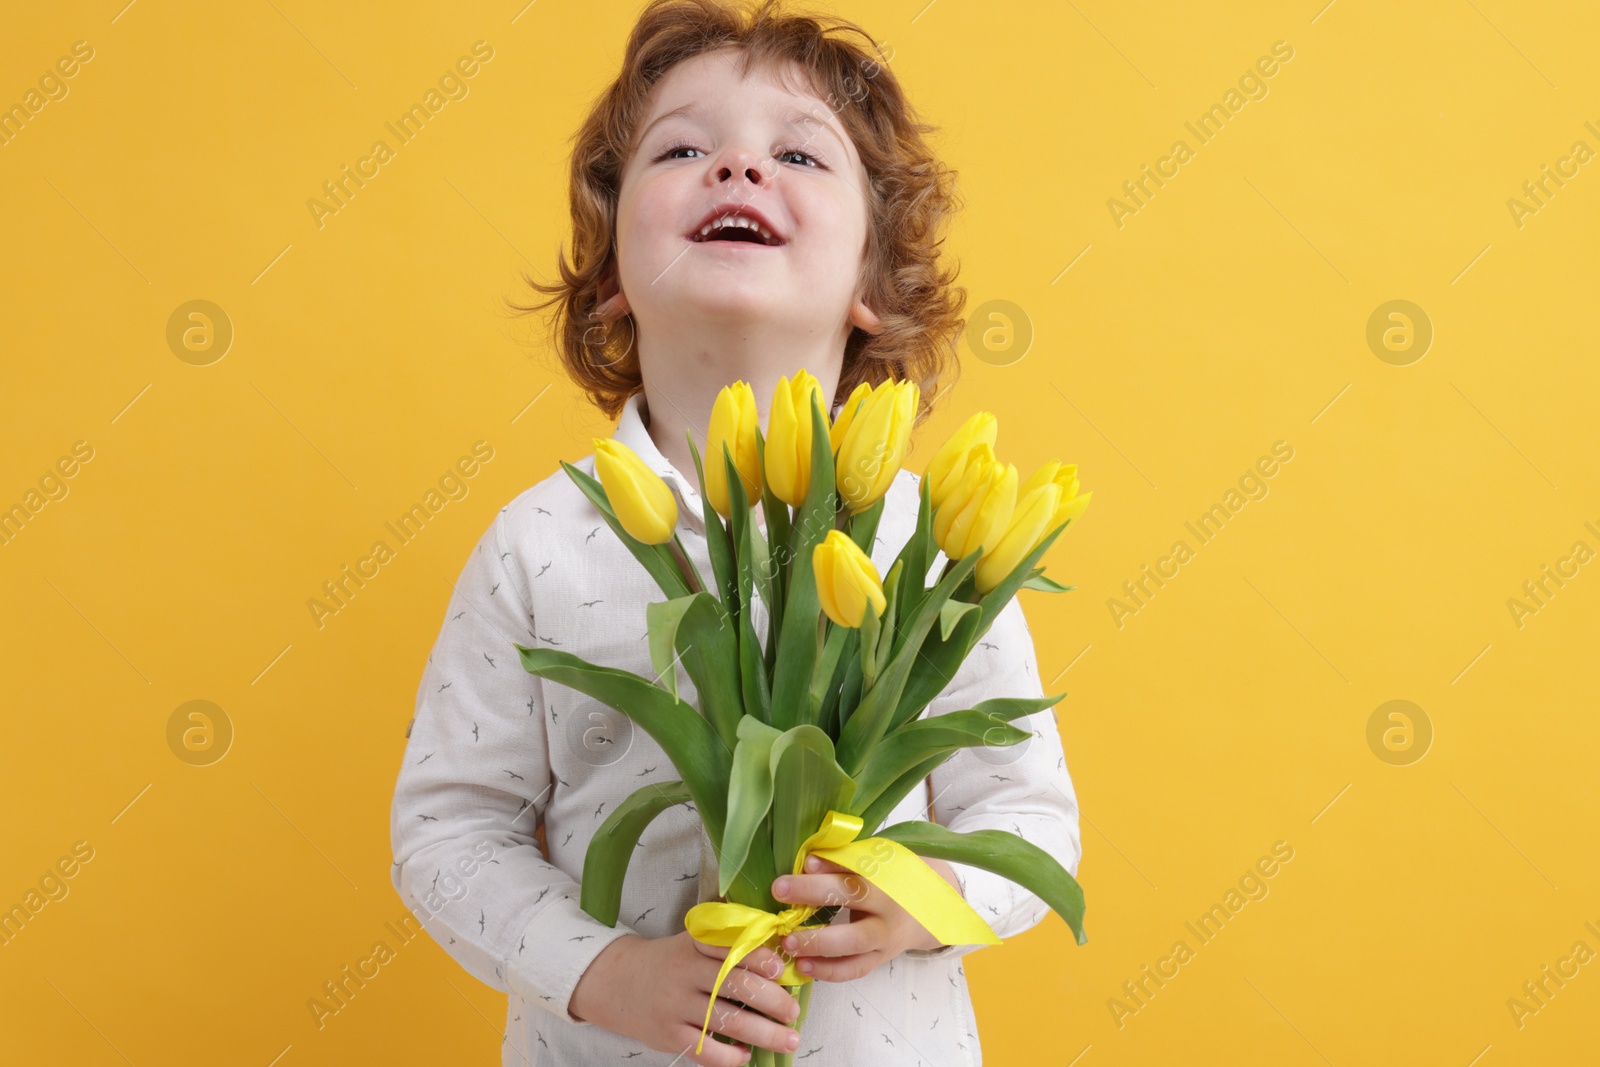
<point x="809" y="735"/>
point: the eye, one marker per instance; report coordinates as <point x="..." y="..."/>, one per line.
<point x="815" y="161"/>
<point x="679" y="147"/>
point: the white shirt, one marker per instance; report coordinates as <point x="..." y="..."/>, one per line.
<point x="493" y="751"/>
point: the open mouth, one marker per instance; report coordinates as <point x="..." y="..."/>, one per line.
<point x="736" y="228"/>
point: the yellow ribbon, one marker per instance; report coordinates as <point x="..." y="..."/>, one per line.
<point x="912" y="884"/>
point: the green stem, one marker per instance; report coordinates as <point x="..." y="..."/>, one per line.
<point x="803" y="995"/>
<point x="690" y="572"/>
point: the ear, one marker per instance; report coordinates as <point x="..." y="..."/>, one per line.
<point x="865" y="318"/>
<point x="613" y="303"/>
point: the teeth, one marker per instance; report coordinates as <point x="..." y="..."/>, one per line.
<point x="736" y="220"/>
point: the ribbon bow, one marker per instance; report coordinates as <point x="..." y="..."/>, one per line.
<point x="911" y="883"/>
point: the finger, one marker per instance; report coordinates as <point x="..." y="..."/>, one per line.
<point x="765" y="962"/>
<point x="840" y="939"/>
<point x="762" y="960"/>
<point x="848" y="890"/>
<point x="759" y="994"/>
<point x="751" y="1027"/>
<point x="714" y="1054"/>
<point x="818" y="865"/>
<point x="841" y="968"/>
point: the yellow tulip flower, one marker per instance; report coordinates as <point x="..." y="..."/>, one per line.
<point x="847" y="414"/>
<point x="950" y="462"/>
<point x="873" y="444"/>
<point x="1071" y="504"/>
<point x="847" y="581"/>
<point x="788" y="468"/>
<point x="643" y="503"/>
<point x="733" y="421"/>
<point x="1029" y="523"/>
<point x="977" y="510"/>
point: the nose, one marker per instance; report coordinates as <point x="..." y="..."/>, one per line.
<point x="737" y="162"/>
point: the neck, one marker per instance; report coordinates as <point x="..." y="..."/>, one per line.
<point x="682" y="378"/>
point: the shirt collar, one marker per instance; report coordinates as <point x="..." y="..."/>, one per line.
<point x="631" y="431"/>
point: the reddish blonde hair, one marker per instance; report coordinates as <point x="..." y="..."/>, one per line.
<point x="911" y="196"/>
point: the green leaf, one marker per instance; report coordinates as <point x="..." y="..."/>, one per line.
<point x="760" y="562"/>
<point x="798" y="640"/>
<point x="949" y="612"/>
<point x="918" y="741"/>
<point x="689" y="741"/>
<point x="943" y="656"/>
<point x="827" y="668"/>
<point x="1004" y="854"/>
<point x="868" y="722"/>
<point x="916" y="555"/>
<point x="863" y="526"/>
<point x="657" y="559"/>
<point x="661" y="621"/>
<point x="772" y="575"/>
<point x="915" y="750"/>
<point x="605" y="864"/>
<point x="873" y="814"/>
<point x="870" y="627"/>
<point x="807" y="782"/>
<point x="749" y="796"/>
<point x="1046" y="585"/>
<point x="753" y="678"/>
<point x="891" y="605"/>
<point x="826" y="714"/>
<point x="701" y="631"/>
<point x="849" y="691"/>
<point x="716" y="540"/>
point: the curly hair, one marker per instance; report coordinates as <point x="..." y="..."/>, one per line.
<point x="910" y="192"/>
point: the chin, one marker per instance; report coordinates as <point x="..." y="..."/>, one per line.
<point x="734" y="299"/>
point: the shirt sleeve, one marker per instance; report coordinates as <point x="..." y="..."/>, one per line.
<point x="472" y="789"/>
<point x="1023" y="789"/>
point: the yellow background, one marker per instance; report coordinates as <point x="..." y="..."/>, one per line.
<point x="1229" y="313"/>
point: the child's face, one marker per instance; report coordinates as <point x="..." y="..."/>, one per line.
<point x="741" y="144"/>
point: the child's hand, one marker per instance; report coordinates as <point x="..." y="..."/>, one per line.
<point x="655" y="990"/>
<point x="878" y="930"/>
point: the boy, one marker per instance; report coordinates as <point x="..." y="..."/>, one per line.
<point x="751" y="196"/>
